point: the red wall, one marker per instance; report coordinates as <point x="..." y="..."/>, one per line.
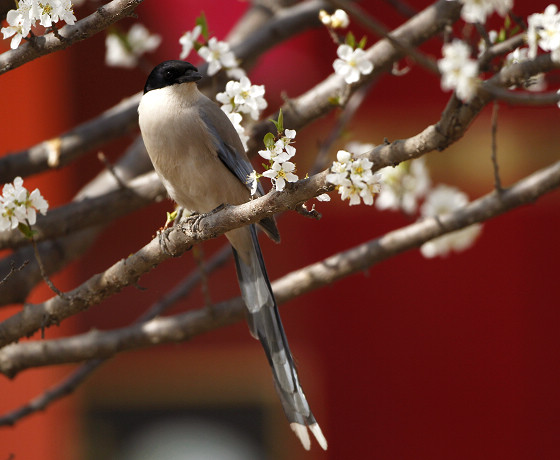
<point x="413" y="359"/>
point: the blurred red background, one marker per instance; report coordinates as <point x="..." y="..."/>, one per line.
<point x="413" y="359"/>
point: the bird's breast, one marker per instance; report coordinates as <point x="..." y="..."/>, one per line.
<point x="183" y="154"/>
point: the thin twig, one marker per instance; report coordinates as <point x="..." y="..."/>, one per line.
<point x="198" y="254"/>
<point x="361" y="16"/>
<point x="353" y="104"/>
<point x="13" y="269"/>
<point x="402" y="7"/>
<point x="46" y="278"/>
<point x="69" y="34"/>
<point x="70" y="383"/>
<point x="497" y="180"/>
<point x="101" y="157"/>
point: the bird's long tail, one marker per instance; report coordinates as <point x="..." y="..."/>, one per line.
<point x="265" y="325"/>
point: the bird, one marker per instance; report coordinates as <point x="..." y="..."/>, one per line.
<point x="201" y="161"/>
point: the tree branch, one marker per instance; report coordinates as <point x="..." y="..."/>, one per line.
<point x="455" y="120"/>
<point x="69" y="384"/>
<point x="90" y="211"/>
<point x="60" y="151"/>
<point x="95" y="344"/>
<point x="318" y="101"/>
<point x="96" y="22"/>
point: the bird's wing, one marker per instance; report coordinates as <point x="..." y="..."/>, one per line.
<point x="231" y="153"/>
<point x="229" y="147"/>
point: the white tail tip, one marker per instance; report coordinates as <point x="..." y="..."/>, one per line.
<point x="316" y="430"/>
<point x="302" y="434"/>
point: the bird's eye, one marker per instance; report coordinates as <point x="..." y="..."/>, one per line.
<point x="169" y="75"/>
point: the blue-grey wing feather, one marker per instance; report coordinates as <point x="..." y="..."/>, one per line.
<point x="234" y="161"/>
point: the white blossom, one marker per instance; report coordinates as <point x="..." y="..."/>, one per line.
<point x="351" y="63"/>
<point x="17" y="205"/>
<point x="544" y="32"/>
<point x="403" y="185"/>
<point x="340" y="169"/>
<point x="235" y="119"/>
<point x="217" y="54"/>
<point x="29" y="12"/>
<point x="125" y="51"/>
<point x="280" y="173"/>
<point x="253" y="179"/>
<point x="458" y="70"/>
<point x="187" y="41"/>
<point x="353" y="178"/>
<point x="61" y="10"/>
<point x="242" y="96"/>
<point x="440" y="201"/>
<point x="282" y="150"/>
<point x="338" y="20"/>
<point x="359" y="148"/>
<point x="483" y="44"/>
<point x="478" y="10"/>
<point x="19" y="23"/>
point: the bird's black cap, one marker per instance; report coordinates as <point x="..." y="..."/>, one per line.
<point x="171" y="73"/>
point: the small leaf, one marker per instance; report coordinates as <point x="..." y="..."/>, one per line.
<point x="201" y="21"/>
<point x="363" y="42"/>
<point x="514" y="31"/>
<point x="334" y="100"/>
<point x="26" y="230"/>
<point x="507" y="22"/>
<point x="501" y="35"/>
<point x="280" y="125"/>
<point x="269" y="141"/>
<point x="350" y="40"/>
<point x="171" y="216"/>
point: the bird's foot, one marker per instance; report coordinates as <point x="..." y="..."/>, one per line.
<point x="165" y="242"/>
<point x="197" y="218"/>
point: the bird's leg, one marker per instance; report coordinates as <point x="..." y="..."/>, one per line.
<point x="197" y="218"/>
<point x="173" y="219"/>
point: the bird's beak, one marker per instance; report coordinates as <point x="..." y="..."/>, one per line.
<point x="192" y="76"/>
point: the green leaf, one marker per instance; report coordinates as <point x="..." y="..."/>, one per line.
<point x="201" y="21"/>
<point x="26" y="230"/>
<point x="350" y="40"/>
<point x="507" y="22"/>
<point x="171" y="216"/>
<point x="269" y="141"/>
<point x="280" y="123"/>
<point x="334" y="100"/>
<point x="363" y="42"/>
<point x="501" y="35"/>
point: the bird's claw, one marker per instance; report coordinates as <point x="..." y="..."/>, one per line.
<point x="164" y="241"/>
<point x="197" y="218"/>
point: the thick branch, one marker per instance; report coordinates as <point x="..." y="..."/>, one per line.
<point x="455" y="120"/>
<point x="96" y="344"/>
<point x="60" y="151"/>
<point x="318" y="101"/>
<point x="90" y="211"/>
<point x="82" y="29"/>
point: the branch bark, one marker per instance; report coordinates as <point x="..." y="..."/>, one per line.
<point x="95" y="344"/>
<point x="94" y="23"/>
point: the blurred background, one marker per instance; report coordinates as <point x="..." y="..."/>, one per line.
<point x="416" y="358"/>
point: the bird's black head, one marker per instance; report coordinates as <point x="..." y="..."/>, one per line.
<point x="171" y="73"/>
